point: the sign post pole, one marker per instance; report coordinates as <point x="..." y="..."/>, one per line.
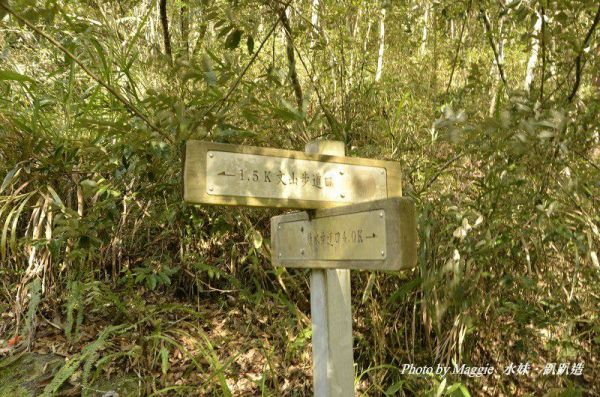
<point x="331" y="313"/>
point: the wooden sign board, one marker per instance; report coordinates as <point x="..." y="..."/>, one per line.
<point x="217" y="173"/>
<point x="377" y="235"/>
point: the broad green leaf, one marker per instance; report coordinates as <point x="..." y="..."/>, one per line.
<point x="88" y="183"/>
<point x="441" y="388"/>
<point x="151" y="281"/>
<point x="405" y="290"/>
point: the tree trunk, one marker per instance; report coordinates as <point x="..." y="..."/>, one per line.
<point x="291" y="57"/>
<point x="165" y="27"/>
<point x="425" y="30"/>
<point x="314" y="20"/>
<point x="498" y="66"/>
<point x="367" y="35"/>
<point x="354" y="33"/>
<point x="185" y="30"/>
<point x="381" y="45"/>
<point x="535" y="45"/>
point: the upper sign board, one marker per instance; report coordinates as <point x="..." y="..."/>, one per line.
<point x="377" y="235"/>
<point x="244" y="175"/>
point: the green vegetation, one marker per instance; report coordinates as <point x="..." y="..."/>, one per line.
<point x="492" y="108"/>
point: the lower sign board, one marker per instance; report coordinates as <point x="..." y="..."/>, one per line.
<point x="244" y="175"/>
<point x="375" y="235"/>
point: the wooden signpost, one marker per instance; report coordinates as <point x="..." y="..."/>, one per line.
<point x="356" y="220"/>
<point x="375" y="235"/>
<point x="244" y="175"/>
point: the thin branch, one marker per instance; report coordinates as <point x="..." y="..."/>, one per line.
<point x="128" y="105"/>
<point x="328" y="116"/>
<point x="560" y="85"/>
<point x="543" y="44"/>
<point x="455" y="61"/>
<point x="184" y="13"/>
<point x="587" y="159"/>
<point x="219" y="104"/>
<point x="488" y="30"/>
<point x="439" y="172"/>
<point x="578" y="60"/>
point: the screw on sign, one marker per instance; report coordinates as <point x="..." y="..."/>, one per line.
<point x="357" y="219"/>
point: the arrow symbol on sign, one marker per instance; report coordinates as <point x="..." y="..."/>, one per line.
<point x="223" y="173"/>
<point x="372" y="236"/>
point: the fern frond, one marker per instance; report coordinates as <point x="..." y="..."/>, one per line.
<point x="89" y="355"/>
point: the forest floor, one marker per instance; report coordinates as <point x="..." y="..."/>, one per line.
<point x="230" y="341"/>
<point x="213" y="347"/>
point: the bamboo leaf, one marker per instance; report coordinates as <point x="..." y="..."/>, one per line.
<point x="13" y="234"/>
<point x="14" y="76"/>
<point x="9" y="177"/>
<point x="5" y="233"/>
<point x="233" y="39"/>
<point x="57" y="199"/>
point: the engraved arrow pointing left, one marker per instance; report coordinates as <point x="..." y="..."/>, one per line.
<point x="223" y="173"/>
